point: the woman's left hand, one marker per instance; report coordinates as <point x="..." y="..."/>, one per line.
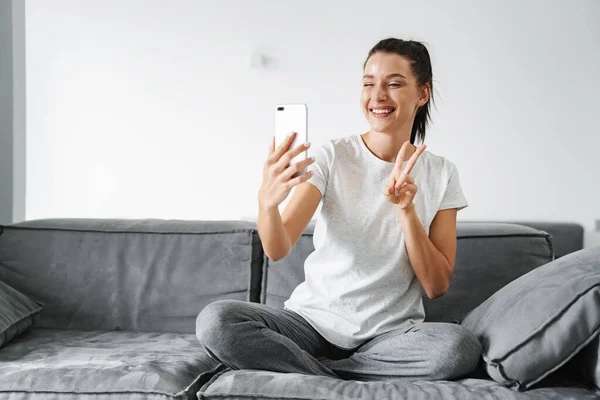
<point x="402" y="189"/>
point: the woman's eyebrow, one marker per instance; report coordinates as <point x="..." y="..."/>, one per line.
<point x="395" y="75"/>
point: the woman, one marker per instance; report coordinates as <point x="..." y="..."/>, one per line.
<point x="385" y="235"/>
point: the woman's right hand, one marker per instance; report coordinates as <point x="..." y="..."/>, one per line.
<point x="278" y="179"/>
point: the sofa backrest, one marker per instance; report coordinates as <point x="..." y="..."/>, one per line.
<point x="136" y="275"/>
<point x="157" y="275"/>
<point x="567" y="237"/>
<point x="489" y="255"/>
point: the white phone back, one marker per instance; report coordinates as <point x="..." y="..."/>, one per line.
<point x="292" y="118"/>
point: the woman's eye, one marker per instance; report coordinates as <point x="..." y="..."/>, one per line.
<point x="392" y="84"/>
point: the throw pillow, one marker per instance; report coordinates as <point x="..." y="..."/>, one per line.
<point x="536" y="323"/>
<point x="587" y="364"/>
<point x="17" y="312"/>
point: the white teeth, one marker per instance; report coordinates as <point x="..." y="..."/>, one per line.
<point x="382" y="111"/>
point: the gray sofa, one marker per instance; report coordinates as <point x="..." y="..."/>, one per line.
<point x="120" y="299"/>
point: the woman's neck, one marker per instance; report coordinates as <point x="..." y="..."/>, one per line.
<point x="386" y="145"/>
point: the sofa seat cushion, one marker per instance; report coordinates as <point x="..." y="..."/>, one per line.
<point x="46" y="363"/>
<point x="247" y="384"/>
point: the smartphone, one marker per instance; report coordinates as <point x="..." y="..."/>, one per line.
<point x="292" y="118"/>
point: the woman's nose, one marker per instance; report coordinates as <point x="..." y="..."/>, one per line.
<point x="381" y="94"/>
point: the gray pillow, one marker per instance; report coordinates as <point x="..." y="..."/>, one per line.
<point x="17" y="312"/>
<point x="538" y="322"/>
<point x="587" y="363"/>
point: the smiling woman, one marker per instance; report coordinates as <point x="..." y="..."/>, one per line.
<point x="412" y="73"/>
<point x="386" y="235"/>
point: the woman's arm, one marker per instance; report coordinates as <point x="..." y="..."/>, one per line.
<point x="279" y="233"/>
<point x="432" y="257"/>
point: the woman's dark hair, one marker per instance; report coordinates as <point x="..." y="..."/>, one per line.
<point x="417" y="53"/>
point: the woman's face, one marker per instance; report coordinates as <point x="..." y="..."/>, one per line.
<point x="390" y="95"/>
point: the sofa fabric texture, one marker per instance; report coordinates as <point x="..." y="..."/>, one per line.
<point x="263" y="385"/>
<point x="64" y="363"/>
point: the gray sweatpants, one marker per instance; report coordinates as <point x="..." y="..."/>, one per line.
<point x="246" y="335"/>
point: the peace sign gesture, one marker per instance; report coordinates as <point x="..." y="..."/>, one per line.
<point x="402" y="189"/>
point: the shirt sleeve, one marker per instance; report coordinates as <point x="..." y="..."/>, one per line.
<point x="320" y="167"/>
<point x="454" y="196"/>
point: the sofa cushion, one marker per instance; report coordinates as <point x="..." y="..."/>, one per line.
<point x="488" y="256"/>
<point x="592" y="363"/>
<point x="77" y="364"/>
<point x="586" y="364"/>
<point x="537" y="323"/>
<point x="246" y="384"/>
<point x="567" y="237"/>
<point x="132" y="275"/>
<point x="17" y="313"/>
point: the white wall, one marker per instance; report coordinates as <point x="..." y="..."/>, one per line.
<point x="12" y="111"/>
<point x="6" y="109"/>
<point x="19" y="156"/>
<point x="151" y="109"/>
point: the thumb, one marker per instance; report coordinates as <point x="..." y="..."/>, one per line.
<point x="390" y="188"/>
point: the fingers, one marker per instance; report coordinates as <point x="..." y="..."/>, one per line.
<point x="390" y="187"/>
<point x="403" y="176"/>
<point x="297" y="167"/>
<point x="272" y="147"/>
<point x="395" y="186"/>
<point x="402" y="180"/>
<point x="402" y="186"/>
<point x="299" y="179"/>
<point x="386" y="191"/>
<point x="402" y="155"/>
<point x="283" y="147"/>
<point x="287" y="158"/>
<point x="413" y="159"/>
<point x="409" y="188"/>
<point x="299" y="149"/>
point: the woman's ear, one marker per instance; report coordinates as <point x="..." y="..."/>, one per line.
<point x="424" y="95"/>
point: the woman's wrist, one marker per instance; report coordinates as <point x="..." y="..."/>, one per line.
<point x="406" y="211"/>
<point x="267" y="208"/>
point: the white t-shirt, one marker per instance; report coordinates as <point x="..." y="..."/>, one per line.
<point x="359" y="282"/>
